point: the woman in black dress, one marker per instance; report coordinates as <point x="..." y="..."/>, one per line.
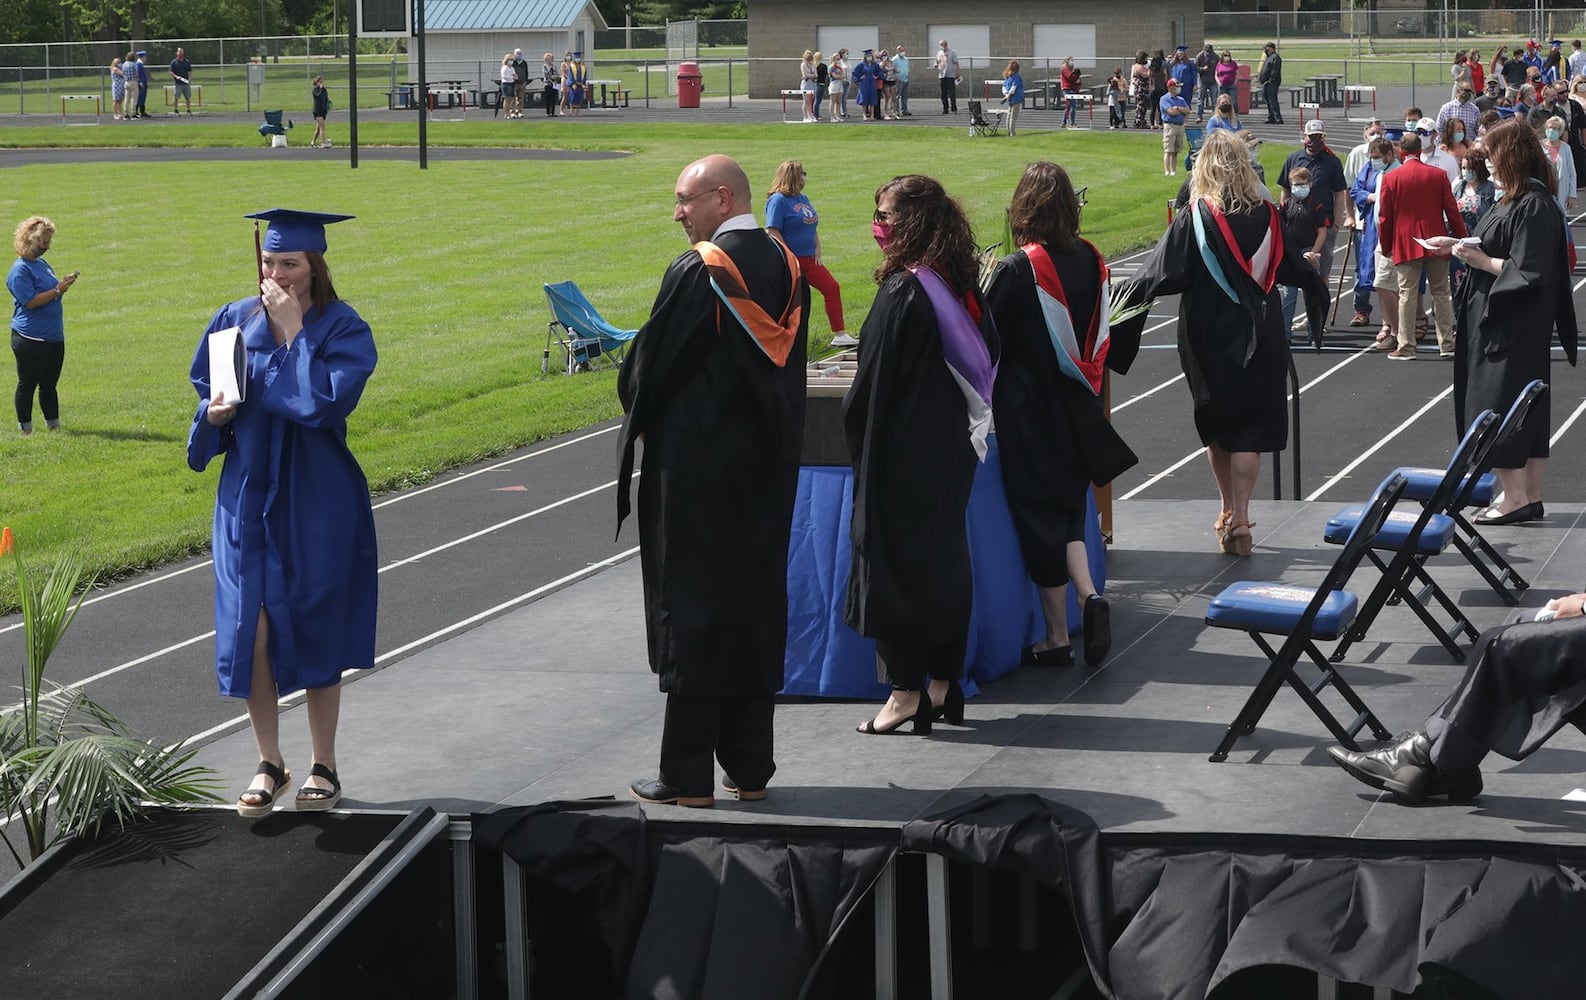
<point x="1515" y="293"/>
<point x="916" y="421"/>
<point x="1224" y="256"/>
<point x="1050" y="304"/>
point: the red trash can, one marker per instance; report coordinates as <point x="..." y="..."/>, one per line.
<point x="689" y="84"/>
<point x="1242" y="93"/>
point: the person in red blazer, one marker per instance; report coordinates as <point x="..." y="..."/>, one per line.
<point x="1416" y="201"/>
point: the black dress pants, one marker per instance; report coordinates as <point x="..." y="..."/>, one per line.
<point x="735" y="730"/>
<point x="908" y="666"/>
<point x="949" y="95"/>
<point x="38" y="369"/>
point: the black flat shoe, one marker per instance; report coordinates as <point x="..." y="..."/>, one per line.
<point x="313" y="799"/>
<point x="657" y="792"/>
<point x="1096" y="620"/>
<point x="1057" y="656"/>
<point x="951" y="710"/>
<point x="923" y="713"/>
<point x="1520" y="515"/>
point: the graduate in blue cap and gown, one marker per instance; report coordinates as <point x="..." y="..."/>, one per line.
<point x="294" y="538"/>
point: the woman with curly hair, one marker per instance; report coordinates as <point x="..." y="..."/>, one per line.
<point x="38" y="326"/>
<point x="916" y="421"/>
<point x="1225" y="256"/>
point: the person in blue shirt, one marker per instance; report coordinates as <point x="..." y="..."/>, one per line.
<point x="1174" y="111"/>
<point x="791" y="218"/>
<point x="38" y="326"/>
<point x="181" y="82"/>
<point x="294" y="538"/>
<point x="1013" y="94"/>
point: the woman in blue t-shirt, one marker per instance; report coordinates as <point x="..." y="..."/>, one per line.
<point x="38" y="328"/>
<point x="791" y="218"/>
<point x="1013" y="94"/>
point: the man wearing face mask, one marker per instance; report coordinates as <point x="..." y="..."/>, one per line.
<point x="1417" y="202"/>
<point x="1463" y="108"/>
<point x="1433" y="155"/>
<point x="1356" y="160"/>
<point x="1375" y="270"/>
<point x="1327" y="184"/>
<point x="714" y="385"/>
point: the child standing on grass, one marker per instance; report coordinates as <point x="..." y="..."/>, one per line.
<point x="1306" y="218"/>
<point x="1115" y="92"/>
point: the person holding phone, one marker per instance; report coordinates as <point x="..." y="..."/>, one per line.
<point x="38" y="326"/>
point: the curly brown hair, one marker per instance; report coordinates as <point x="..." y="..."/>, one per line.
<point x="928" y="227"/>
<point x="1044" y="209"/>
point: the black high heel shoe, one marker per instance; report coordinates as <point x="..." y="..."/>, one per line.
<point x="951" y="710"/>
<point x="923" y="713"/>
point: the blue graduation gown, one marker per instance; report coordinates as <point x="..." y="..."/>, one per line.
<point x="293" y="531"/>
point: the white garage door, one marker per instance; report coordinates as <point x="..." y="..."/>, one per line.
<point x="1059" y="41"/>
<point x="853" y="37"/>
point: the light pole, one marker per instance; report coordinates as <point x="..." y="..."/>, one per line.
<point x="264" y="48"/>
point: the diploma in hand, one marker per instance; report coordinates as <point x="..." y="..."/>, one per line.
<point x="228" y="365"/>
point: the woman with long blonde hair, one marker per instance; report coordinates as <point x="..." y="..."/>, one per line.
<point x="1225" y="256"/>
<point x="807" y="84"/>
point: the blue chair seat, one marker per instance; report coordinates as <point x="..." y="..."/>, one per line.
<point x="1422" y="482"/>
<point x="1438" y="533"/>
<point x="1277" y="607"/>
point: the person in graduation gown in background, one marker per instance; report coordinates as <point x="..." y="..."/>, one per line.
<point x="916" y="421"/>
<point x="1515" y="293"/>
<point x="1049" y="300"/>
<point x="1225" y="257"/>
<point x="714" y="387"/>
<point x="294" y="537"/>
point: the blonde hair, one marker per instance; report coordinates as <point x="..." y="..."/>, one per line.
<point x="1223" y="175"/>
<point x="33" y="235"/>
<point x="789" y="178"/>
<point x="817" y="57"/>
<point x="809" y="56"/>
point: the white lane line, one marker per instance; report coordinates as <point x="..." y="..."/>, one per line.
<point x="1552" y="442"/>
<point x="482" y="532"/>
<point x="1403" y="426"/>
<point x="438" y="634"/>
<point x="129" y="588"/>
<point x="1197" y="453"/>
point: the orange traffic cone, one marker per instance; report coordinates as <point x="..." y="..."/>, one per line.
<point x="6" y="542"/>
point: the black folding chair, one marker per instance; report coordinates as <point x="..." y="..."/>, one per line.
<point x="1414" y="537"/>
<point x="1304" y="616"/>
<point x="979" y="124"/>
<point x="1478" y="490"/>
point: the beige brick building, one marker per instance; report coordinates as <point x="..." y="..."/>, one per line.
<point x="1039" y="33"/>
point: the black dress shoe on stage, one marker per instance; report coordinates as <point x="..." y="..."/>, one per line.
<point x="1520" y="515"/>
<point x="658" y="792"/>
<point x="1096" y="621"/>
<point x="1405" y="768"/>
<point x="1057" y="656"/>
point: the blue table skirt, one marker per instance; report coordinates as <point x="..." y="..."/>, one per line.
<point x="827" y="658"/>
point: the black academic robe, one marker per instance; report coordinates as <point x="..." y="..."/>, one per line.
<point x="1053" y="437"/>
<point x="1235" y="355"/>
<point x="1505" y="338"/>
<point x="722" y="427"/>
<point x="907" y="427"/>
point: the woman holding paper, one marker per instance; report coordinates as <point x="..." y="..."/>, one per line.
<point x="1050" y="303"/>
<point x="294" y="539"/>
<point x="1516" y="292"/>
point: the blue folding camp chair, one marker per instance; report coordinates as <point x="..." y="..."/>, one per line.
<point x="583" y="338"/>
<point x="1303" y="616"/>
<point x="272" y="124"/>
<point x="1413" y="538"/>
<point x="1478" y="490"/>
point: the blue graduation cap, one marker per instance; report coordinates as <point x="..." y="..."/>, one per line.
<point x="293" y="230"/>
<point x="142" y="52"/>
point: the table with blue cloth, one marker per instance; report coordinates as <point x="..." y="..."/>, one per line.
<point x="826" y="658"/>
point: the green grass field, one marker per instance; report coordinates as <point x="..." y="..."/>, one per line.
<point x="446" y="264"/>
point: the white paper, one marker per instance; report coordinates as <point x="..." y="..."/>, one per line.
<point x="1435" y="243"/>
<point x="227" y="363"/>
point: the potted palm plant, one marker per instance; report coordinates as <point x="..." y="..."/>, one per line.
<point x="66" y="762"/>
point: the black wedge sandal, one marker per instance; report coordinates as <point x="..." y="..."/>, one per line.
<point x="266" y="804"/>
<point x="311" y="799"/>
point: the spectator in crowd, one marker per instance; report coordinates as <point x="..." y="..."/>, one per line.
<point x="1562" y="162"/>
<point x="118" y="87"/>
<point x="1224" y="118"/>
<point x="823" y="79"/>
<point x="1327" y="183"/>
<point x="509" y="87"/>
<point x="1183" y="70"/>
<point x="866" y="75"/>
<point x="321" y="99"/>
<point x="1117" y="98"/>
<point x="1358" y="155"/>
<point x="1069" y="79"/>
<point x="520" y="69"/>
<point x="838" y="90"/>
<point x="295" y="555"/>
<point x="1576" y="116"/>
<point x="1461" y="73"/>
<point x="1305" y="220"/>
<point x="1455" y="139"/>
<point x="714" y="385"/>
<point x="1374" y="270"/>
<point x="1512" y="70"/>
<point x="791" y="218"/>
<point x="143" y="83"/>
<point x="1206" y="67"/>
<point x="1013" y="94"/>
<point x="1525" y="681"/>
<point x="900" y="62"/>
<point x="1478" y="75"/>
<point x="1489" y="99"/>
<point x="1158" y="68"/>
<point x="550" y="81"/>
<point x="564" y="72"/>
<point x="1462" y="106"/>
<point x="1271" y="78"/>
<point x="916" y="421"/>
<point x="1228" y="77"/>
<point x="1417" y="204"/>
<point x="807" y="75"/>
<point x="1577" y="60"/>
<point x="1055" y="439"/>
<point x="948" y="74"/>
<point x="1532" y="59"/>
<point x="1432" y="152"/>
<point x="1475" y="194"/>
<point x="889" y="87"/>
<point x="38" y="323"/>
<point x="1231" y="340"/>
<point x="1553" y="64"/>
<point x="1488" y="120"/>
<point x="181" y="82"/>
<point x="1174" y="112"/>
<point x="1140" y="89"/>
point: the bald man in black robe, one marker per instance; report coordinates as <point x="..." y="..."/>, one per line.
<point x="714" y="388"/>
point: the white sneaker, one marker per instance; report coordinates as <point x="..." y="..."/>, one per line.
<point x="844" y="340"/>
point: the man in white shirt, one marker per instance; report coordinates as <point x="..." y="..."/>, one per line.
<point x="1576" y="61"/>
<point x="1434" y="155"/>
<point x="1356" y="160"/>
<point x="947" y="72"/>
